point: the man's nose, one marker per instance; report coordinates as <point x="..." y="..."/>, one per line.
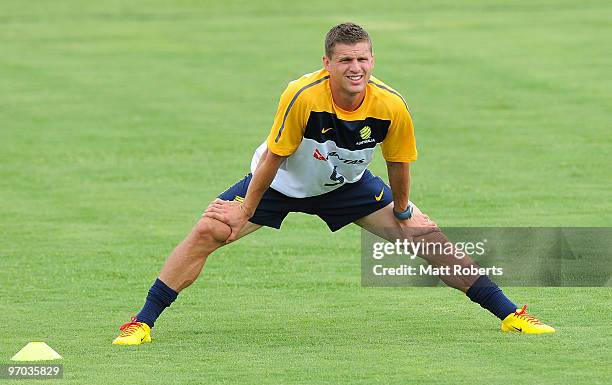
<point x="354" y="65"/>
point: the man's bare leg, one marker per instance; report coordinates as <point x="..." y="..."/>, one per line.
<point x="185" y="263"/>
<point x="479" y="289"/>
<point x="384" y="224"/>
<point x="181" y="269"/>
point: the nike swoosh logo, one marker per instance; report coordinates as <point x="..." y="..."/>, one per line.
<point x="379" y="196"/>
<point x="324" y="130"/>
<point x="518" y="329"/>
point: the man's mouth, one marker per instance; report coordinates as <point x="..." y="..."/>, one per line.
<point x="355" y="78"/>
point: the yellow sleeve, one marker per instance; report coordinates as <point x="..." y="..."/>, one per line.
<point x="289" y="123"/>
<point x="400" y="145"/>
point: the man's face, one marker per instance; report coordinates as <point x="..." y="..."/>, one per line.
<point x="350" y="67"/>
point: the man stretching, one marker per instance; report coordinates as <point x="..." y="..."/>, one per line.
<point x="314" y="161"/>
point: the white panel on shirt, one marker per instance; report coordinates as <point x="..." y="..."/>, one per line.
<point x="302" y="175"/>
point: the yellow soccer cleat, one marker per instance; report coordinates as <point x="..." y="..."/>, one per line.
<point x="133" y="333"/>
<point x="522" y="322"/>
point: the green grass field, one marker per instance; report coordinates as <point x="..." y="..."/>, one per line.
<point x="120" y="121"/>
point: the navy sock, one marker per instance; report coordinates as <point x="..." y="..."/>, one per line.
<point x="160" y="297"/>
<point x="486" y="293"/>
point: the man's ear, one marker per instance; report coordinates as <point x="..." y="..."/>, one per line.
<point x="325" y="60"/>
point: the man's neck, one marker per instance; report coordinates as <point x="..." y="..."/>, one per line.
<point x="348" y="102"/>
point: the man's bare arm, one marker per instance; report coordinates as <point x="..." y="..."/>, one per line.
<point x="262" y="179"/>
<point x="399" y="179"/>
<point x="236" y="214"/>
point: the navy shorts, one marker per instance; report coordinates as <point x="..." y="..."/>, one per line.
<point x="337" y="208"/>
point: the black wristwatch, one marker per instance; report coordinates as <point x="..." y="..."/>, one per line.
<point x="406" y="214"/>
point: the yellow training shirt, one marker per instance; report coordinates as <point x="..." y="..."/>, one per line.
<point x="327" y="146"/>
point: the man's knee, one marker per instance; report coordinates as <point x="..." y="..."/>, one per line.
<point x="212" y="230"/>
<point x="431" y="233"/>
<point x="433" y="242"/>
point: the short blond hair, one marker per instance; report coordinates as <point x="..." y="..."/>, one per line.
<point x="347" y="33"/>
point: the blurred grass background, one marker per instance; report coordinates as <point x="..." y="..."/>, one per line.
<point x="120" y="121"/>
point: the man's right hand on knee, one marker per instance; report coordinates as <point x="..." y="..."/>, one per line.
<point x="229" y="213"/>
